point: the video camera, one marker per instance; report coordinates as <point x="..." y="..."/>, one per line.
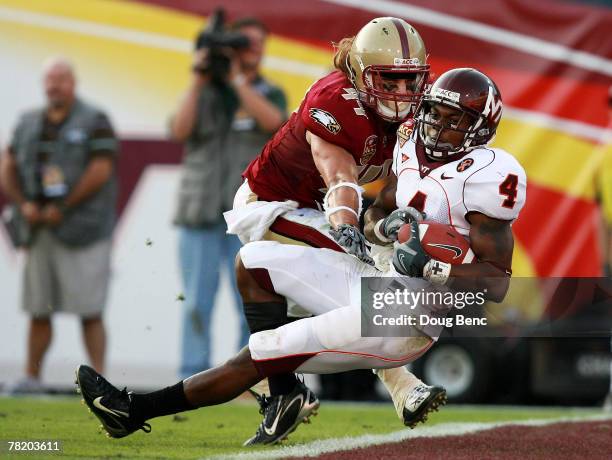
<point x="218" y="40"/>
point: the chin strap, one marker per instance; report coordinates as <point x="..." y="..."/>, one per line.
<point x="391" y="114"/>
<point x="329" y="211"/>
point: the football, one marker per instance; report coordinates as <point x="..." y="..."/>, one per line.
<point x="442" y="242"/>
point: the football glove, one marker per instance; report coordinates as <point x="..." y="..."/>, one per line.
<point x="390" y="225"/>
<point x="352" y="240"/>
<point x="410" y="258"/>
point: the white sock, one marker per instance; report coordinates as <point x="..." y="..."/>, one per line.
<point x="399" y="383"/>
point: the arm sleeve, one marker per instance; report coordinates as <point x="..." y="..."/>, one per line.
<point x="498" y="190"/>
<point x="102" y="140"/>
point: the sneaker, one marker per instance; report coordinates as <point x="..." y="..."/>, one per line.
<point x="420" y="402"/>
<point x="282" y="414"/>
<point x="109" y="404"/>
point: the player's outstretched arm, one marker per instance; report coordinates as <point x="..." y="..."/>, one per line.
<point x="493" y="244"/>
<point x="337" y="166"/>
<point x="342" y="202"/>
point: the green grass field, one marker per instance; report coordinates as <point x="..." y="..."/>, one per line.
<point x="214" y="430"/>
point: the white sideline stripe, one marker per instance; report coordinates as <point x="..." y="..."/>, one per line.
<point x="573" y="127"/>
<point x="485" y="32"/>
<point x="137" y="37"/>
<point x="313" y="449"/>
<point x="564" y="125"/>
<point x="295" y="67"/>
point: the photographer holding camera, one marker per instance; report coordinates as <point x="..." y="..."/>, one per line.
<point x="225" y="118"/>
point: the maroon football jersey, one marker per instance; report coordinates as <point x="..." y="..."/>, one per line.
<point x="285" y="170"/>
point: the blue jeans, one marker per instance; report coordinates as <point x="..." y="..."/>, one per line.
<point x="202" y="253"/>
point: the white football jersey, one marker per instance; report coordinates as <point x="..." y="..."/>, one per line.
<point x="485" y="180"/>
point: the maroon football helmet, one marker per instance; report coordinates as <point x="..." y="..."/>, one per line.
<point x="471" y="93"/>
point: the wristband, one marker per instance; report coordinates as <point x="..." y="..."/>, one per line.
<point x="437" y="271"/>
<point x="378" y="232"/>
<point x="330" y="211"/>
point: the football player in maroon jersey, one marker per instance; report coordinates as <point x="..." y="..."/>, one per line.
<point x="340" y="137"/>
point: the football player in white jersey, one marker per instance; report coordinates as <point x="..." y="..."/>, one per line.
<point x="445" y="170"/>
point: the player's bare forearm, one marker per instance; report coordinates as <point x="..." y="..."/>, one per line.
<point x="480" y="277"/>
<point x="337" y="166"/>
<point x="493" y="243"/>
<point x="381" y="208"/>
<point x="344" y="197"/>
<point x="371" y="218"/>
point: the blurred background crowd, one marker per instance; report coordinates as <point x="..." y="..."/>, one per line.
<point x="138" y="212"/>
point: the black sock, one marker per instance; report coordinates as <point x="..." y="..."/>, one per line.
<point x="262" y="316"/>
<point x="170" y="400"/>
<point x="282" y="384"/>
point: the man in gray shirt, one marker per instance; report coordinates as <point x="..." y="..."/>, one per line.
<point x="223" y="125"/>
<point x="59" y="171"/>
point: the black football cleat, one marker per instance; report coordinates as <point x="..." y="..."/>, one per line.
<point x="420" y="402"/>
<point x="282" y="414"/>
<point x="109" y="404"/>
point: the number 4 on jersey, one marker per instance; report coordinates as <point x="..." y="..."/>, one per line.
<point x="508" y="189"/>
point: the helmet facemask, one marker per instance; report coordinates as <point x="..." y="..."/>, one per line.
<point x="393" y="92"/>
<point x="428" y="118"/>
